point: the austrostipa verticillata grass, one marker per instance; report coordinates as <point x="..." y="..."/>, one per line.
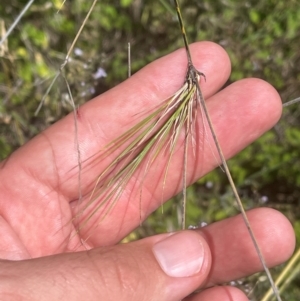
<point x="157" y="133"/>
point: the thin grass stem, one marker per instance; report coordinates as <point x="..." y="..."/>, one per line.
<point x="12" y="27"/>
<point x="192" y="75"/>
<point x="66" y="60"/>
<point x="129" y="59"/>
<point x="284" y="274"/>
<point x="291" y="102"/>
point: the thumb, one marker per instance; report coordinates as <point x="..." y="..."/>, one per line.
<point x="162" y="267"/>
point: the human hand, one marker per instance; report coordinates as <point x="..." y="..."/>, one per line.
<point x="39" y="196"/>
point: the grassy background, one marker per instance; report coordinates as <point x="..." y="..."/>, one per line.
<point x="261" y="37"/>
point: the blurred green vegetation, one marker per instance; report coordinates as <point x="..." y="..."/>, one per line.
<point x="261" y="37"/>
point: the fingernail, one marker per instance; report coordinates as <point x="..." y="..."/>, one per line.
<point x="181" y="254"/>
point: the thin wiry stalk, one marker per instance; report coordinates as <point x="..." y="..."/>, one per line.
<point x="61" y="6"/>
<point x="9" y="31"/>
<point x="291" y="102"/>
<point x="129" y="59"/>
<point x="67" y="57"/>
<point x="192" y="75"/>
<point x="60" y="73"/>
<point x="79" y="163"/>
<point x="285" y="273"/>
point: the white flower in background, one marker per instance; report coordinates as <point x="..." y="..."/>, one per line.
<point x="78" y="52"/>
<point x="99" y="73"/>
